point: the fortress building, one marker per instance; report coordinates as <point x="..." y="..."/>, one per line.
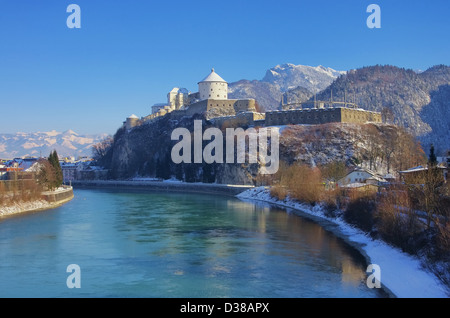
<point x="131" y="121"/>
<point x="213" y="87"/>
<point x="212" y="101"/>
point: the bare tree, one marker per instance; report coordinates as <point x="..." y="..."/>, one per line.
<point x="100" y="149"/>
<point x="46" y="175"/>
<point x="334" y="171"/>
<point x="389" y="146"/>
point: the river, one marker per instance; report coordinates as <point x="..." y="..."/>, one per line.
<point x="167" y="245"/>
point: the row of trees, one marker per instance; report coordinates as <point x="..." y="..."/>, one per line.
<point x="390" y="147"/>
<point x="375" y="146"/>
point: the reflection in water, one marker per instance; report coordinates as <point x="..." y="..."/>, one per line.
<point x="306" y="235"/>
<point x="176" y="245"/>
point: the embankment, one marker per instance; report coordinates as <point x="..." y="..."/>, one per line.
<point x="49" y="200"/>
<point x="209" y="188"/>
<point x="402" y="274"/>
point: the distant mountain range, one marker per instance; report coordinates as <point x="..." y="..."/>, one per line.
<point x="67" y="143"/>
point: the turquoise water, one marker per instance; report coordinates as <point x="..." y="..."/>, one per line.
<point x="137" y="244"/>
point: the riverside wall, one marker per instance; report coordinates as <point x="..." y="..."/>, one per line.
<point x="220" y="189"/>
<point x="59" y="197"/>
<point x="49" y="200"/>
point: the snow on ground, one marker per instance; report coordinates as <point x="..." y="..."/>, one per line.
<point x="20" y="207"/>
<point x="400" y="273"/>
<point x="57" y="190"/>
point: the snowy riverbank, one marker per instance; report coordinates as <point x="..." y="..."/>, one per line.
<point x="53" y="199"/>
<point x="22" y="207"/>
<point x="401" y="273"/>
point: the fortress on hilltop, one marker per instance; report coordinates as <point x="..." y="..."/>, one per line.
<point x="212" y="101"/>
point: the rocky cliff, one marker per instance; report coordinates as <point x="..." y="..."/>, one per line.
<point x="145" y="151"/>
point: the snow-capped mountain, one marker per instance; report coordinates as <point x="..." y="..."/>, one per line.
<point x="67" y="143"/>
<point x="289" y="76"/>
<point x="282" y="79"/>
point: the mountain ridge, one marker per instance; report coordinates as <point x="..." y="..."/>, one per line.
<point x="35" y="144"/>
<point x="279" y="79"/>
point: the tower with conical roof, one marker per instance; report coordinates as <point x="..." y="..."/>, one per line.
<point x="131" y="121"/>
<point x="213" y="87"/>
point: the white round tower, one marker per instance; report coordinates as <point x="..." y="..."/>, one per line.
<point x="131" y="121"/>
<point x="213" y="87"/>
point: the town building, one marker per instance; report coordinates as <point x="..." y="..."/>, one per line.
<point x="18" y="168"/>
<point x="417" y="175"/>
<point x="69" y="171"/>
<point x="361" y="176"/>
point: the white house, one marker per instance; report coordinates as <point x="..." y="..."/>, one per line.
<point x="361" y="175"/>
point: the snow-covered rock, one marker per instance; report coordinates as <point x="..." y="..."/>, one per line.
<point x="289" y="76"/>
<point x="281" y="78"/>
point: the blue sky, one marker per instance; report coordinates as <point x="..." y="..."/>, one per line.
<point x="129" y="54"/>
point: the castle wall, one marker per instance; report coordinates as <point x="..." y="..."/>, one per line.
<point x="303" y="116"/>
<point x="315" y="116"/>
<point x="197" y="108"/>
<point x="221" y="107"/>
<point x="232" y="112"/>
<point x="245" y="105"/>
<point x="241" y="119"/>
<point x="359" y="116"/>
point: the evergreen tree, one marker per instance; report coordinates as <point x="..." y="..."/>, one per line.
<point x="432" y="160"/>
<point x="54" y="161"/>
